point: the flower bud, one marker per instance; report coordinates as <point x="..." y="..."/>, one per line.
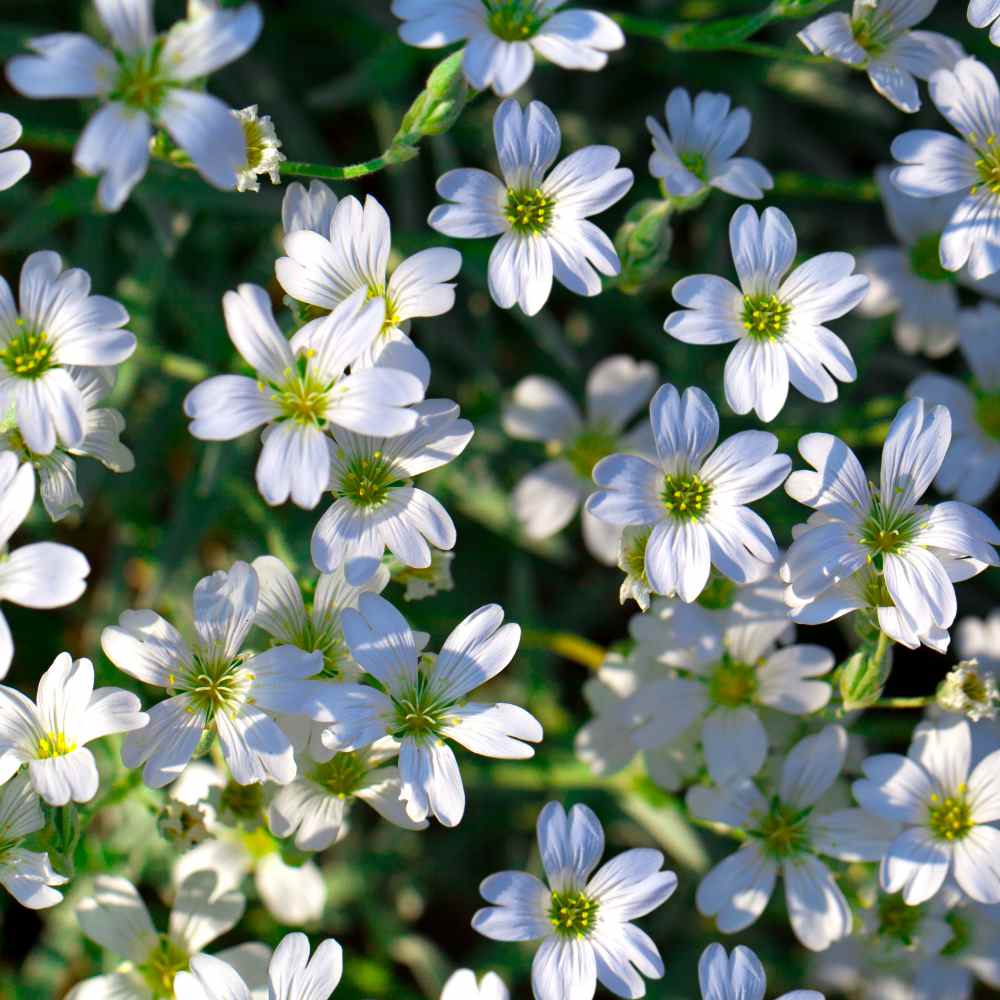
<point x="643" y="243"/>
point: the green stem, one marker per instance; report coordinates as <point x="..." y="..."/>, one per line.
<point x="290" y="169"/>
<point x="567" y="645"/>
<point x="796" y="184"/>
<point x="913" y="703"/>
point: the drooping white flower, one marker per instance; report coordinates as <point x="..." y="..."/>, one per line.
<point x="304" y="389"/>
<point x="51" y="736"/>
<point x="291" y="974"/>
<point x="421" y="702"/>
<point x="41" y="575"/>
<point x="879" y="547"/>
<point x="936" y="163"/>
<point x="376" y="507"/>
<point x="503" y="36"/>
<point x="971" y="468"/>
<point x="694" y="501"/>
<point x="145" y="81"/>
<point x="264" y="154"/>
<point x="983" y="13"/>
<point x="14" y="163"/>
<point x="59" y="324"/>
<point x="946" y="808"/>
<point x="777" y="322"/>
<point x="786" y="835"/>
<point x="541" y="216"/>
<point x="695" y="153"/>
<point x="326" y="265"/>
<point x="877" y="38"/>
<point x="311" y="208"/>
<point x="545" y="500"/>
<point x="462" y="985"/>
<point x="738" y="976"/>
<point x="582" y="917"/>
<point x="970" y="691"/>
<point x="215" y="683"/>
<point x="27" y="875"/>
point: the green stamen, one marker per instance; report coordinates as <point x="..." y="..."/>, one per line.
<point x="28" y="354"/>
<point x="162" y="965"/>
<point x="887" y="531"/>
<point x="367" y="479"/>
<point x="686" y="497"/>
<point x="529" y="211"/>
<point x="765" y="317"/>
<point x="572" y="914"/>
<point x="419" y="712"/>
<point x="950" y="818"/>
<point x="302" y="397"/>
<point x="696" y="163"/>
<point x="783" y="831"/>
<point x="341" y="775"/>
<point x="513" y="20"/>
<point x="733" y="683"/>
<point x="142" y="83"/>
<point x="987" y="163"/>
<point x="54" y="744"/>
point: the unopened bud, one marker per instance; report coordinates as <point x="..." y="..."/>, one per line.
<point x="438" y="105"/>
<point x="643" y="243"/>
<point x="863" y="676"/>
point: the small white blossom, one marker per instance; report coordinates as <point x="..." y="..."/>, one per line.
<point x="27" y="875"/>
<point x="583" y="918"/>
<point x="695" y="153"/>
<point x="778" y="322"/>
<point x="503" y="36"/>
<point x="541" y="216"/>
<point x="983" y="13"/>
<point x="264" y="154"/>
<point x="14" y="163"/>
<point x="423" y="583"/>
<point x="462" y="985"/>
<point x="738" y="976"/>
<point x="311" y="208"/>
<point x="980" y="638"/>
<point x="969" y="691"/>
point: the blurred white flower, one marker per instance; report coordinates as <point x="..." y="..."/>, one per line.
<point x="310" y="208"/>
<point x="980" y="638"/>
<point x="778" y="322"/>
<point x="540" y="216"/>
<point x="738" y="976"/>
<point x="695" y="153"/>
<point x="582" y="917"/>
<point x="145" y="81"/>
<point x="14" y="163"/>
<point x="983" y="13"/>
<point x="545" y="500"/>
<point x="264" y="154"/>
<point x="503" y="36"/>
<point x="462" y="985"/>
<point x="27" y="875"/>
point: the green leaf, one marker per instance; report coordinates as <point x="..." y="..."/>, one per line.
<point x="719" y="34"/>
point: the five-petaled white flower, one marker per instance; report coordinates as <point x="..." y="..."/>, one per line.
<point x="541" y="220"/>
<point x="695" y="153"/>
<point x="947" y="808"/>
<point x="27" y="875"/>
<point x="935" y="163"/>
<point x="302" y="391"/>
<point x="421" y="702"/>
<point x="903" y="554"/>
<point x="14" y="163"/>
<point x="376" y="507"/>
<point x="738" y="976"/>
<point x="51" y="736"/>
<point x="785" y="834"/>
<point x="545" y="500"/>
<point x="877" y="38"/>
<point x="503" y="36"/>
<point x="215" y="683"/>
<point x="41" y="575"/>
<point x="971" y="469"/>
<point x="145" y="81"/>
<point x="462" y="985"/>
<point x="983" y="13"/>
<point x="777" y="321"/>
<point x="583" y="917"/>
<point x="59" y="324"/>
<point x="693" y="501"/>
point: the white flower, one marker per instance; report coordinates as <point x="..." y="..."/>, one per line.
<point x="423" y="583"/>
<point x="291" y="974"/>
<point x="421" y="702"/>
<point x="303" y="391"/>
<point x="935" y="163"/>
<point x="141" y="84"/>
<point x="876" y="37"/>
<point x="326" y="264"/>
<point x="980" y="638"/>
<point x="776" y="321"/>
<point x="969" y="691"/>
<point x="945" y="810"/>
<point x="983" y="13"/>
<point x="51" y="737"/>
<point x="376" y="506"/>
<point x="41" y="575"/>
<point x="902" y="555"/>
<point x="694" y="500"/>
<point x="503" y="36"/>
<point x="14" y="163"/>
<point x="462" y="985"/>
<point x="971" y="468"/>
<point x="739" y="976"/>
<point x="545" y="500"/>
<point x="786" y="835"/>
<point x="696" y="151"/>
<point x="542" y="220"/>
<point x="308" y="209"/>
<point x="116" y="918"/>
<point x="215" y="683"/>
<point x="27" y="875"/>
<point x="583" y="918"/>
<point x="263" y="150"/>
<point x="59" y="324"/>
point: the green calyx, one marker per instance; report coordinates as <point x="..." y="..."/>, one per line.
<point x="925" y="259"/>
<point x="588" y="448"/>
<point x="572" y="913"/>
<point x="367" y="479"/>
<point x="528" y="210"/>
<point x="782" y="831"/>
<point x="685" y="496"/>
<point x="733" y="683"/>
<point x="342" y="775"/>
<point x="513" y="20"/>
<point x="765" y="317"/>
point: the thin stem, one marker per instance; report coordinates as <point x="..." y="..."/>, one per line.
<point x="567" y="645"/>
<point x="291" y="169"/>
<point x="913" y="703"/>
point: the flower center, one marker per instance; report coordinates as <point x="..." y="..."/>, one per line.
<point x="259" y="843"/>
<point x="695" y="162"/>
<point x="782" y="831"/>
<point x="732" y="683"/>
<point x="328" y="639"/>
<point x="162" y="965"/>
<point x="686" y="497"/>
<point x="765" y="317"/>
<point x="950" y="818"/>
<point x="513" y="20"/>
<point x="573" y="914"/>
<point x="256" y="142"/>
<point x="54" y="744"/>
<point x="341" y="775"/>
<point x="142" y="83"/>
<point x="302" y="398"/>
<point x="215" y="686"/>
<point x="887" y="531"/>
<point x="528" y="210"/>
<point x="588" y="448"/>
<point x="418" y="711"/>
<point x="366" y="480"/>
<point x="898" y="921"/>
<point x="29" y="353"/>
<point x="719" y="593"/>
<point x="873" y="31"/>
<point x="925" y="259"/>
<point x="987" y="412"/>
<point x="987" y="164"/>
<point x="241" y="802"/>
